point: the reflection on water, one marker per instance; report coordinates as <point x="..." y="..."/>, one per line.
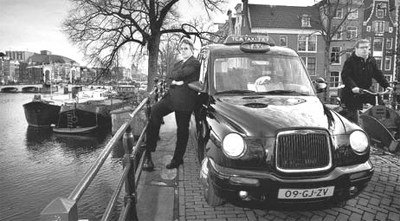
<point x="38" y="165"/>
<point x="36" y="136"/>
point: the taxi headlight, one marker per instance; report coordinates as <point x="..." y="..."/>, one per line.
<point x="359" y="141"/>
<point x="233" y="145"/>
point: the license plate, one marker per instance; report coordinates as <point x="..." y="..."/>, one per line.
<point x="306" y="193"/>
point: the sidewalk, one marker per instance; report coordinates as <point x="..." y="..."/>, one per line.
<point x="157" y="189"/>
<point x="177" y="194"/>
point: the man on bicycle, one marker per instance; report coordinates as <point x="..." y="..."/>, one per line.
<point x="358" y="71"/>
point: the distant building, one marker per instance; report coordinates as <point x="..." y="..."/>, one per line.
<point x="379" y="27"/>
<point x="10" y="72"/>
<point x="21" y="56"/>
<point x="36" y="68"/>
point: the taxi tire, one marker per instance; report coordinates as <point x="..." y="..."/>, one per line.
<point x="201" y="151"/>
<point x="210" y="195"/>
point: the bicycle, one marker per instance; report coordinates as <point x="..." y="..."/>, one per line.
<point x="382" y="123"/>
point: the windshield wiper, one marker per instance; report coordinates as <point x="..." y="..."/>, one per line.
<point x="235" y="92"/>
<point x="282" y="92"/>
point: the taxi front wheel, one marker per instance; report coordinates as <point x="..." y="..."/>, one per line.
<point x="209" y="194"/>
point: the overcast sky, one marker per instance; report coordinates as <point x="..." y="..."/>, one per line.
<point x="35" y="25"/>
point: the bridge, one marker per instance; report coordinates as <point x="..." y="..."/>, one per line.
<point x="33" y="88"/>
<point x="37" y="88"/>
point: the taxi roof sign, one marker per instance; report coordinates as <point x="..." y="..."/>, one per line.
<point x="240" y="39"/>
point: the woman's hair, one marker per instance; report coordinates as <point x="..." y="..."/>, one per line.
<point x="188" y="42"/>
<point x="361" y="41"/>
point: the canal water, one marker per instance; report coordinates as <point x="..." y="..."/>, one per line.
<point x="37" y="166"/>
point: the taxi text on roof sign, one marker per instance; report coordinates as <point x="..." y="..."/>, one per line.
<point x="238" y="39"/>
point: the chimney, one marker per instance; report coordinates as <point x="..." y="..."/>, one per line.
<point x="45" y="52"/>
<point x="245" y="19"/>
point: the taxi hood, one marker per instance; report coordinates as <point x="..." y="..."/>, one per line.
<point x="265" y="115"/>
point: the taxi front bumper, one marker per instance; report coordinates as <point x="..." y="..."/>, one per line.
<point x="339" y="184"/>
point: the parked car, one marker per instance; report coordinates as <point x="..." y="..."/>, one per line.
<point x="263" y="135"/>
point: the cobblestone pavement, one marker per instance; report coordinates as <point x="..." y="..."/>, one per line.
<point x="379" y="201"/>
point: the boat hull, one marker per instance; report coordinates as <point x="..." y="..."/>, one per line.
<point x="77" y="115"/>
<point x="78" y="130"/>
<point x="41" y="114"/>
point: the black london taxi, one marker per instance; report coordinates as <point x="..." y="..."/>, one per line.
<point x="263" y="135"/>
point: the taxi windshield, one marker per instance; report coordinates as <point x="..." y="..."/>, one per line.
<point x="261" y="73"/>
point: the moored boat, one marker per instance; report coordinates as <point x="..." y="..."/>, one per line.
<point x="43" y="111"/>
<point x="77" y="118"/>
<point x="40" y="112"/>
<point x="89" y="111"/>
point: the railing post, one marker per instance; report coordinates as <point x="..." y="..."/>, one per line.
<point x="130" y="185"/>
<point x="60" y="209"/>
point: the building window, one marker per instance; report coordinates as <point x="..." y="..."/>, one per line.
<point x="307" y="43"/>
<point x="283" y="40"/>
<point x="380" y="13"/>
<point x="389" y="43"/>
<point x="334" y="79"/>
<point x="311" y="64"/>
<point x="338" y="34"/>
<point x="388" y="63"/>
<point x="351" y="33"/>
<point x="305" y="21"/>
<point x="378" y="62"/>
<point x="339" y="13"/>
<point x="353" y="14"/>
<point x="380" y="27"/>
<point x="378" y="45"/>
<point x="335" y="55"/>
<point x="19" y="56"/>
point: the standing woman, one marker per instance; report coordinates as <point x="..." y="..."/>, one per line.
<point x="179" y="99"/>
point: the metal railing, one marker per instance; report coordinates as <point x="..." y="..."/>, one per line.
<point x="65" y="209"/>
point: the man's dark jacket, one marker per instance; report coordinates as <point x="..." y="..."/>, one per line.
<point x="181" y="97"/>
<point x="358" y="72"/>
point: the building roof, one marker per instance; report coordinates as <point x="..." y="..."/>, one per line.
<point x="369" y="13"/>
<point x="284" y="17"/>
<point x="50" y="58"/>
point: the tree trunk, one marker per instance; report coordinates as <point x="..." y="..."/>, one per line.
<point x="327" y="70"/>
<point x="152" y="46"/>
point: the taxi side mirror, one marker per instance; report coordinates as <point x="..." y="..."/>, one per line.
<point x="320" y="85"/>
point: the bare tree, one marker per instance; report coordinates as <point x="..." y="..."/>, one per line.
<point x="333" y="20"/>
<point x="102" y="28"/>
<point x="168" y="47"/>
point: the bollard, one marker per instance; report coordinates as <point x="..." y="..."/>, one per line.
<point x="130" y="185"/>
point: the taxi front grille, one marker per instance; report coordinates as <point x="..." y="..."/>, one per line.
<point x="303" y="151"/>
